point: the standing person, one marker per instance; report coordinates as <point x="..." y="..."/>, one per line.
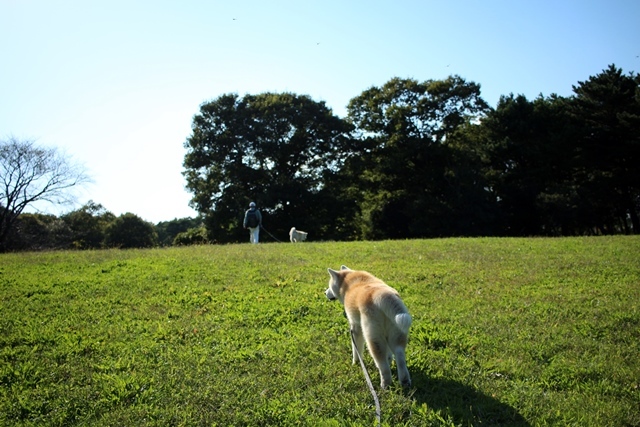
<point x="253" y="221"/>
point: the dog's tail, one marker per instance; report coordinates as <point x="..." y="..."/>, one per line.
<point x="403" y="320"/>
<point x="395" y="310"/>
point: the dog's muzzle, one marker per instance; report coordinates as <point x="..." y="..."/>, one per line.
<point x="330" y="295"/>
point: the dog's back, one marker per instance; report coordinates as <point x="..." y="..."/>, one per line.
<point x="367" y="296"/>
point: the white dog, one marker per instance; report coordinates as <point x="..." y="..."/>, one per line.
<point x="297" y="235"/>
<point x="376" y="315"/>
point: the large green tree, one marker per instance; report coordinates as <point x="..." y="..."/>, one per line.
<point x="406" y="168"/>
<point x="528" y="148"/>
<point x="607" y="108"/>
<point x="563" y="166"/>
<point x="273" y="148"/>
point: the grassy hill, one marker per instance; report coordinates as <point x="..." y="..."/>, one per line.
<point x="506" y="332"/>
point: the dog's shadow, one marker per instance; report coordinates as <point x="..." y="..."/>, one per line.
<point x="465" y="405"/>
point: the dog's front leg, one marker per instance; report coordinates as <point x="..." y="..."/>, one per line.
<point x="357" y="343"/>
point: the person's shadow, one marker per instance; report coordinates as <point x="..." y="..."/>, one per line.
<point x="465" y="405"/>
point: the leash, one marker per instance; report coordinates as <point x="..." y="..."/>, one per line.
<point x="272" y="236"/>
<point x="368" y="378"/>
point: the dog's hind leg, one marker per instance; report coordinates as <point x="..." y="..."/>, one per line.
<point x="401" y="360"/>
<point x="380" y="352"/>
<point x="380" y="356"/>
<point x="403" y="372"/>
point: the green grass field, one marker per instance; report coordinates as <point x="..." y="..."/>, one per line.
<point x="525" y="332"/>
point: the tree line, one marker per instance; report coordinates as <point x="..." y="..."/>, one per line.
<point x="421" y="159"/>
<point x="94" y="227"/>
<point x="410" y="160"/>
<point x="30" y="174"/>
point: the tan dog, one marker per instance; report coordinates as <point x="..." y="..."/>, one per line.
<point x="297" y="235"/>
<point x="376" y="315"/>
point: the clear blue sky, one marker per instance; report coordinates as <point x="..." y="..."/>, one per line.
<point x="115" y="84"/>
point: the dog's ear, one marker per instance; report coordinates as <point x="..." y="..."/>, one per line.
<point x="344" y="267"/>
<point x="334" y="274"/>
<point x="335" y="283"/>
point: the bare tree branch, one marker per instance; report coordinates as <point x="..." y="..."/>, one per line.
<point x="28" y="174"/>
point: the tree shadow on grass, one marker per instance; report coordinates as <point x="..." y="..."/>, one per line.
<point x="465" y="405"/>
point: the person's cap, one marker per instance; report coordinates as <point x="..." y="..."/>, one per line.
<point x="252" y="205"/>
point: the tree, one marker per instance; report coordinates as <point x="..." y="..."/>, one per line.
<point x="274" y="149"/>
<point x="130" y="231"/>
<point x="564" y="166"/>
<point x="528" y="154"/>
<point x="607" y="110"/>
<point x="88" y="225"/>
<point x="29" y="174"/>
<point x="403" y="163"/>
<point x="168" y="230"/>
<point x="37" y="232"/>
<point x="193" y="236"/>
